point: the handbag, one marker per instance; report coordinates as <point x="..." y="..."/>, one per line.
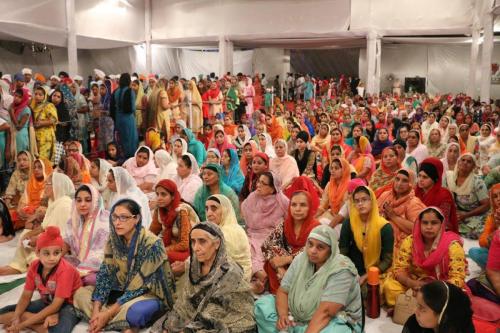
<point x="406" y="304"/>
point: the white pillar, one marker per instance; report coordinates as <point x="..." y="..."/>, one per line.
<point x="147" y="32"/>
<point x="371" y="55"/>
<point x="71" y="44"/>
<point x="474" y="51"/>
<point x="487" y="51"/>
<point x="226" y="49"/>
<point x="378" y="60"/>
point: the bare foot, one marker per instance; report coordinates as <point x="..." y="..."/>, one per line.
<point x="7" y="270"/>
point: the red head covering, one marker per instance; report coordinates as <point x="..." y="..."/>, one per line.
<point x="168" y="215"/>
<point x="50" y="237"/>
<point x="440" y="255"/>
<point x="438" y="195"/>
<point x="305" y="184"/>
<point x="297" y="243"/>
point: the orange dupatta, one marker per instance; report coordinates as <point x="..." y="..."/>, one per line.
<point x="336" y="192"/>
<point x="35" y="187"/>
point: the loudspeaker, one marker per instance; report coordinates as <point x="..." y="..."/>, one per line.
<point x="415" y="84"/>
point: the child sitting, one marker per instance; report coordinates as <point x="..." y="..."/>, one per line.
<point x="56" y="281"/>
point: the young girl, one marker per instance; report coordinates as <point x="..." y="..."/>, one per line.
<point x="56" y="281"/>
<point x="113" y="155"/>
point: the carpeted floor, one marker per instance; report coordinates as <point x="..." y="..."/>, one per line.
<point x="379" y="325"/>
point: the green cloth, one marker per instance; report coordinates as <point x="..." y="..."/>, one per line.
<point x="195" y="147"/>
<point x="308" y="285"/>
<point x="5" y="287"/>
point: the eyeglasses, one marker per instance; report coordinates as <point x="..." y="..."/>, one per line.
<point x="122" y="218"/>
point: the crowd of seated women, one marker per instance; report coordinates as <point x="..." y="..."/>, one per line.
<point x="272" y="223"/>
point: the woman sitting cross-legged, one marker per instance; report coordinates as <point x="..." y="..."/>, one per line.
<point x="320" y="290"/>
<point x="216" y="297"/>
<point x="288" y="239"/>
<point x="430" y="253"/>
<point x="366" y="237"/>
<point x="134" y="285"/>
<point x="86" y="233"/>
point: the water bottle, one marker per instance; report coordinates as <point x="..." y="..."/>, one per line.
<point x="373" y="297"/>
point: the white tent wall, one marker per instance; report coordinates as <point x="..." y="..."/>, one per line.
<point x="445" y="67"/>
<point x="271" y="61"/>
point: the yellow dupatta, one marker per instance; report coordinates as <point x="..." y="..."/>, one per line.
<point x="369" y="244"/>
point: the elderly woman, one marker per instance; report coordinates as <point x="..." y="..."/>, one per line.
<point x="383" y="177"/>
<point x="400" y="206"/>
<point x="366" y="237"/>
<point x="19" y="179"/>
<point x="264" y="208"/>
<point x="86" y="233"/>
<point x="450" y="156"/>
<point x="219" y="210"/>
<point x="187" y="179"/>
<point x="432" y="193"/>
<point x="435" y="146"/>
<point x="134" y="283"/>
<point x="288" y="238"/>
<point x="213" y="184"/>
<point x="215" y="297"/>
<point x="213" y="156"/>
<point x="166" y="165"/>
<point x="284" y="165"/>
<point x="471" y="196"/>
<point x="319" y="292"/>
<point x="430" y="253"/>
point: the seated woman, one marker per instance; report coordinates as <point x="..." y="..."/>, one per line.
<point x="219" y="210"/>
<point x="430" y="253"/>
<point x="249" y="151"/>
<point x="432" y="193"/>
<point x="381" y="142"/>
<point x="18" y="179"/>
<point x="400" y="206"/>
<point x="122" y="185"/>
<point x="86" y="233"/>
<point x="172" y="219"/>
<point x="167" y="168"/>
<point x="222" y="142"/>
<point x="366" y="237"/>
<point x="480" y="254"/>
<point x="305" y="157"/>
<point x="415" y="148"/>
<point x="383" y="177"/>
<point x="471" y="196"/>
<point x="435" y="146"/>
<point x="320" y="291"/>
<point x="213" y="184"/>
<point x="6" y="226"/>
<point x="283" y="165"/>
<point x="179" y="148"/>
<point x="213" y="156"/>
<point x="195" y="147"/>
<point x="441" y="307"/>
<point x="362" y="159"/>
<point x="32" y="196"/>
<point x="215" y="297"/>
<point x="242" y="138"/>
<point x="322" y="139"/>
<point x="288" y="238"/>
<point x="134" y="284"/>
<point x="188" y="180"/>
<point x="260" y="164"/>
<point x="232" y="175"/>
<point x="335" y="194"/>
<point x="142" y="168"/>
<point x="451" y="156"/>
<point x="113" y="155"/>
<point x="262" y="211"/>
<point x="99" y="169"/>
<point x="266" y="145"/>
<point x="58" y="190"/>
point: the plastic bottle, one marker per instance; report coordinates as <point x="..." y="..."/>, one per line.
<point x="373" y="296"/>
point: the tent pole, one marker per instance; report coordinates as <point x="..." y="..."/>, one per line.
<point x="371" y="56"/>
<point x="487" y="51"/>
<point x="71" y="42"/>
<point x="147" y="32"/>
<point x="226" y="49"/>
<point x="474" y="52"/>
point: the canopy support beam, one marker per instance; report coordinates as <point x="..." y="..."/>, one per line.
<point x="71" y="30"/>
<point x="487" y="51"/>
<point x="226" y="49"/>
<point x="474" y="52"/>
<point x="374" y="57"/>
<point x="147" y="32"/>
